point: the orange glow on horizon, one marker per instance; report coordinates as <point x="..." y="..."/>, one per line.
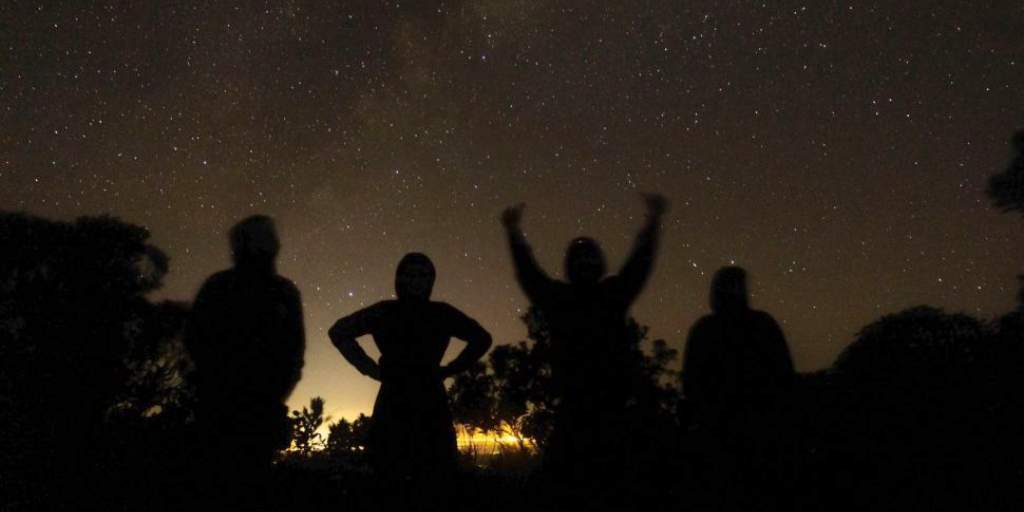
<point x="466" y="438"/>
<point x="469" y="439"/>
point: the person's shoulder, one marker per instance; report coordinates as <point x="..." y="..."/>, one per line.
<point x="371" y="313"/>
<point x="286" y="285"/>
<point x="761" y="315"/>
<point x="703" y="323"/>
<point x="706" y="320"/>
<point x="223" y="275"/>
<point x="444" y="308"/>
<point x="610" y="282"/>
<point x="218" y="280"/>
<point x="379" y="307"/>
<point x="763" y="318"/>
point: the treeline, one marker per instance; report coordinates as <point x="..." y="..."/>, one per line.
<point x="923" y="405"/>
<point x="923" y="410"/>
<point x="92" y="373"/>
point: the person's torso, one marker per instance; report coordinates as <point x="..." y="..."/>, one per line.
<point x="590" y="345"/>
<point x="248" y="329"/>
<point x="412" y="338"/>
<point x="742" y="359"/>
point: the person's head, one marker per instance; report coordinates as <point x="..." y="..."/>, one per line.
<point x="584" y="261"/>
<point x="729" y="290"/>
<point x="414" y="278"/>
<point x="254" y="241"/>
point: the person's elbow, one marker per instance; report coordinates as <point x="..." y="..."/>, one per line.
<point x="340" y="335"/>
<point x="294" y="377"/>
<point x="484" y="342"/>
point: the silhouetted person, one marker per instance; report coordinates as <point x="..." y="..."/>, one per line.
<point x="247" y="339"/>
<point x="589" y="352"/>
<point x="411" y="434"/>
<point x="736" y="374"/>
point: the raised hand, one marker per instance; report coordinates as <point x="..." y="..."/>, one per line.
<point x="513" y="215"/>
<point x="657" y="204"/>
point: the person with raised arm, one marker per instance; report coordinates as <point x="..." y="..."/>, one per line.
<point x="590" y="354"/>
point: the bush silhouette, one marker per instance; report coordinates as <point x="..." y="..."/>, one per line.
<point x="513" y="391"/>
<point x="81" y="346"/>
<point x="918" y="412"/>
<point x="305" y="424"/>
<point x="345" y="438"/>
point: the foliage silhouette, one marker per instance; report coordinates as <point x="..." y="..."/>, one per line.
<point x="922" y="411"/>
<point x="345" y="438"/>
<point x="80" y="355"/>
<point x="513" y="392"/>
<point x="305" y="424"/>
<point x="1006" y="189"/>
<point x="159" y="368"/>
<point x="918" y="412"/>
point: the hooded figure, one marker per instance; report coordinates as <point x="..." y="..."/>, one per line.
<point x="246" y="337"/>
<point x="412" y="432"/>
<point x="590" y="354"/>
<point x="737" y="361"/>
<point x="736" y="374"/>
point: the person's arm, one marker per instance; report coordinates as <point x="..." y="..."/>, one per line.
<point x="531" y="278"/>
<point x="478" y="341"/>
<point x="779" y="359"/>
<point x="702" y="378"/>
<point x="197" y="329"/>
<point x="344" y="333"/>
<point x="692" y="366"/>
<point x="295" y="338"/>
<point x="637" y="269"/>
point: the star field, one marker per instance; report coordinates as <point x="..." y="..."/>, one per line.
<point x="838" y="152"/>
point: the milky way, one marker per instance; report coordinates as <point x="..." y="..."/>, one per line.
<point x="839" y="153"/>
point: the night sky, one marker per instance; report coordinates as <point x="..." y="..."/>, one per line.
<point x="838" y="152"/>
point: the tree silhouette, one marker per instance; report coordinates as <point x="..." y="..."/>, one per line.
<point x="514" y="392"/>
<point x="305" y="424"/>
<point x="921" y="411"/>
<point x="75" y="330"/>
<point x="1006" y="189"/>
<point x="345" y="438"/>
<point x="473" y="399"/>
<point x="159" y="366"/>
